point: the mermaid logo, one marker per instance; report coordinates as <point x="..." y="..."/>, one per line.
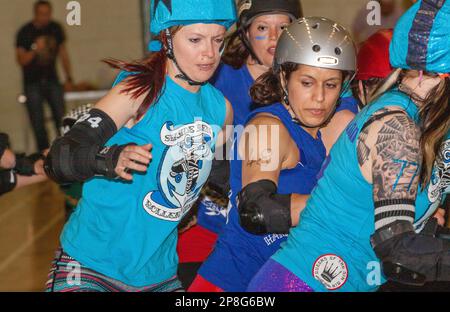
<point x="183" y="170"/>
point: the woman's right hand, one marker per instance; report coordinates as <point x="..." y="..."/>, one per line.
<point x="133" y="158"/>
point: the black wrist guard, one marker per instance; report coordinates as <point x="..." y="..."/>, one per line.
<point x="25" y="164"/>
<point x="106" y="160"/>
<point x="8" y="181"/>
<point x="411" y="258"/>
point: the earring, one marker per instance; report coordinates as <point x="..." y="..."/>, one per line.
<point x="285" y="98"/>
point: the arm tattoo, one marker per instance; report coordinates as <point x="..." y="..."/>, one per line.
<point x="396" y="159"/>
<point x="263" y="159"/>
<point x="362" y="148"/>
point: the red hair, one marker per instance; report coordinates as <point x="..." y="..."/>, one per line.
<point x="149" y="75"/>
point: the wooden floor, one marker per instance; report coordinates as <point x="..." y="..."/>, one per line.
<point x="31" y="220"/>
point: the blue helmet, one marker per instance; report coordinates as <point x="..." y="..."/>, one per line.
<point x="167" y="13"/>
<point x="421" y="38"/>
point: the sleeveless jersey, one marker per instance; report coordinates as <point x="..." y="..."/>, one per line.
<point x="128" y="230"/>
<point x="330" y="249"/>
<point x="238" y="255"/>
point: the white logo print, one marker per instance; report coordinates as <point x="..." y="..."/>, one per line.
<point x="183" y="170"/>
<point x="440" y="180"/>
<point x="439" y="184"/>
<point x="331" y="271"/>
<point x="214" y="210"/>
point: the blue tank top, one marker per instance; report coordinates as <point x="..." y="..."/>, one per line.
<point x="235" y="85"/>
<point x="128" y="231"/>
<point x="330" y="248"/>
<point x="238" y="255"/>
<point x="211" y="216"/>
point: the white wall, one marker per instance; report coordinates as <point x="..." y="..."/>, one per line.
<point x="109" y="28"/>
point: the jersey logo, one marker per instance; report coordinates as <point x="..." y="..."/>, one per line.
<point x="214" y="210"/>
<point x="331" y="271"/>
<point x="274" y="238"/>
<point x="440" y="179"/>
<point x="184" y="169"/>
<point x="439" y="183"/>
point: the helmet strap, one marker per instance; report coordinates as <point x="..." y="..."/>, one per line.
<point x="171" y="55"/>
<point x="248" y="46"/>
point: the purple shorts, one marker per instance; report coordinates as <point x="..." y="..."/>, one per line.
<point x="273" y="277"/>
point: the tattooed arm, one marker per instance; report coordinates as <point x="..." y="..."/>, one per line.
<point x="389" y="148"/>
<point x="390" y="158"/>
<point x="266" y="148"/>
<point x="260" y="149"/>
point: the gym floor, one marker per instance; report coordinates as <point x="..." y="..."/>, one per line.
<point x="30" y="222"/>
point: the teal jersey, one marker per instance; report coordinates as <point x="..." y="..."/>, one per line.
<point x="128" y="230"/>
<point x="330" y="249"/>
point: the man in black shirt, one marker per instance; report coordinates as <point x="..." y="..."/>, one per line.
<point x="38" y="46"/>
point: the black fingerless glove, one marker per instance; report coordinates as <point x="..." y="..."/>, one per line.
<point x="107" y="158"/>
<point x="25" y="164"/>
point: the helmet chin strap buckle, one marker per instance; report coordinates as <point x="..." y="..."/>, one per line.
<point x="248" y="46"/>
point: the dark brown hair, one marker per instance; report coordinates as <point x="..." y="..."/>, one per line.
<point x="236" y="54"/>
<point x="435" y="121"/>
<point x="149" y="75"/>
<point x="369" y="87"/>
<point x="267" y="88"/>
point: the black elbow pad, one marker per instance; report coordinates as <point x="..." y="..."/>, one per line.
<point x="69" y="161"/>
<point x="262" y="211"/>
<point x="80" y="154"/>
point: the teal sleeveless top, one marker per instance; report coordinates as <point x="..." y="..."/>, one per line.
<point x="330" y="249"/>
<point x="128" y="230"/>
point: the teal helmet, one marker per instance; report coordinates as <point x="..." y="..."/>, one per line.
<point x="421" y="38"/>
<point x="168" y="13"/>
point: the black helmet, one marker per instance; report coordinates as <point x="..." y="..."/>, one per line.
<point x="248" y="10"/>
